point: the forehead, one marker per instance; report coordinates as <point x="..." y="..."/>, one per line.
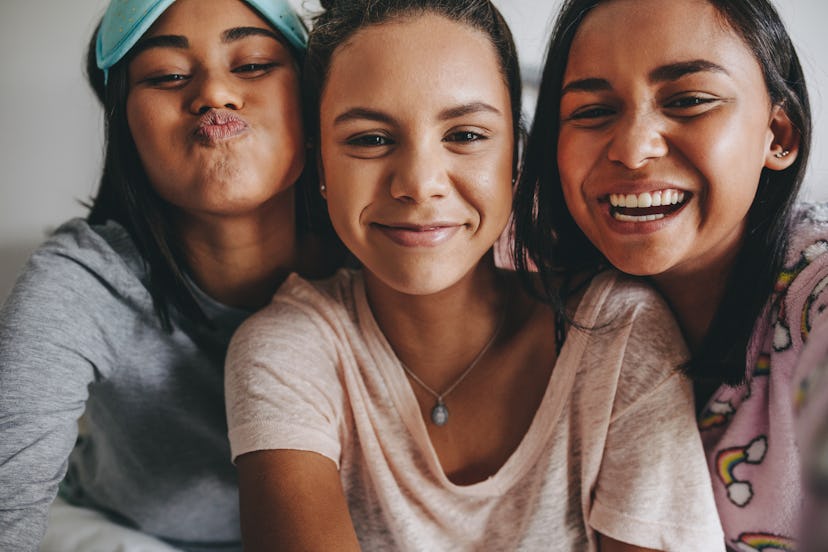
<point x="417" y="61"/>
<point x="642" y="34"/>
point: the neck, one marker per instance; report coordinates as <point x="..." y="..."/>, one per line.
<point x="425" y="330"/>
<point x="696" y="293"/>
<point x="241" y="260"/>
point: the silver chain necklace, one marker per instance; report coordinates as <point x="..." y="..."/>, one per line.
<point x="440" y="413"/>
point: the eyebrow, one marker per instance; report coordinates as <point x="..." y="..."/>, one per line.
<point x="181" y="43"/>
<point x="675" y="71"/>
<point x="664" y="73"/>
<point x="238" y="33"/>
<point x="363" y="113"/>
<point x="358" y="113"/>
<point x="160" y="41"/>
<point x="587" y="85"/>
<point x="466" y="109"/>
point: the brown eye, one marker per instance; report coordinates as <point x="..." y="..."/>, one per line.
<point x="254" y="69"/>
<point x="171" y="80"/>
<point x="690" y="101"/>
<point x="464" y="136"/>
<point x="592" y="113"/>
<point x="369" y="141"/>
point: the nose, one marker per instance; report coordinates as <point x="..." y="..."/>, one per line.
<point x="215" y="91"/>
<point x="638" y="138"/>
<point x="420" y="175"/>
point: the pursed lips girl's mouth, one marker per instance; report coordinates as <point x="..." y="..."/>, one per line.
<point x="218" y="125"/>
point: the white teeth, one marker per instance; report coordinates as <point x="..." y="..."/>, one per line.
<point x="631" y="218"/>
<point x="647" y="199"/>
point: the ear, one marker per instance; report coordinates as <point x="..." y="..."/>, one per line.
<point x="784" y="144"/>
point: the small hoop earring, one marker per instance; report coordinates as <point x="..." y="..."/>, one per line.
<point x="781" y="154"/>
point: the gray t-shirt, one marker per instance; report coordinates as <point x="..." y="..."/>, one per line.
<point x="79" y="336"/>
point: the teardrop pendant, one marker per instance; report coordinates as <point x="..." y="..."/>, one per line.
<point x="439" y="414"/>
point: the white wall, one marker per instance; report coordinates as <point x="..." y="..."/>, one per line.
<point x="50" y="144"/>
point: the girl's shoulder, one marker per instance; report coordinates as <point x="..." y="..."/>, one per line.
<point x="95" y="246"/>
<point x="801" y="290"/>
<point x="84" y="261"/>
<point x="339" y="290"/>
<point x="809" y="232"/>
<point x="304" y="305"/>
<point x="612" y="295"/>
<point x="806" y="256"/>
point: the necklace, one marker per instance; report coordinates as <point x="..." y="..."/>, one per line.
<point x="440" y="413"/>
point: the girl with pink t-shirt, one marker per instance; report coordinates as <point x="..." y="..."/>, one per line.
<point x="428" y="401"/>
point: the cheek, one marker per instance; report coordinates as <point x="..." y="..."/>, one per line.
<point x="345" y="196"/>
<point x="486" y="184"/>
<point x="571" y="178"/>
<point x="285" y="110"/>
<point x="572" y="164"/>
<point x="147" y="127"/>
<point x="733" y="162"/>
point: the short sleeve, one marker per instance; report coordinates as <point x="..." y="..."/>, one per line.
<point x="653" y="487"/>
<point x="282" y="385"/>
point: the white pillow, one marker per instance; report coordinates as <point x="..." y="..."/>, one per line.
<point x="74" y="529"/>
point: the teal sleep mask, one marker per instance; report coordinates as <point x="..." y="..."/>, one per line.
<point x="126" y="21"/>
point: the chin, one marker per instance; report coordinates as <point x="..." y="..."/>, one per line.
<point x="417" y="283"/>
<point x="635" y="266"/>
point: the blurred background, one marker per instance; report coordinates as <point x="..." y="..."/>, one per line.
<point x="51" y="142"/>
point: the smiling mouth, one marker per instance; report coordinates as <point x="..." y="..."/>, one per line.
<point x="646" y="206"/>
<point x="413" y="235"/>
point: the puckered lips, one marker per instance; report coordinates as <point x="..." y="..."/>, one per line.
<point x="429" y="234"/>
<point x="646" y="206"/>
<point x="219" y="125"/>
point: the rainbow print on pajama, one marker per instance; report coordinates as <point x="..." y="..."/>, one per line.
<point x="762" y="367"/>
<point x="717" y="414"/>
<point x="739" y="492"/>
<point x="763" y="542"/>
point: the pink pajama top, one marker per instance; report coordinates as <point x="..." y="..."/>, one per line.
<point x="749" y="431"/>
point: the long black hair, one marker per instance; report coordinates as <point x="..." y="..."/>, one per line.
<point x="125" y="196"/>
<point x="547" y="236"/>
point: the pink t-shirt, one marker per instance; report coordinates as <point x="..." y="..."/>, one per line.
<point x="613" y="447"/>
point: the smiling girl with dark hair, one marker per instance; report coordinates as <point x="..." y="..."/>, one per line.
<point x="670" y="142"/>
<point x="424" y="402"/>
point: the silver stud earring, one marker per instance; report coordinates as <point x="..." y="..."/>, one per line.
<point x="781" y="154"/>
<point x="323" y="188"/>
